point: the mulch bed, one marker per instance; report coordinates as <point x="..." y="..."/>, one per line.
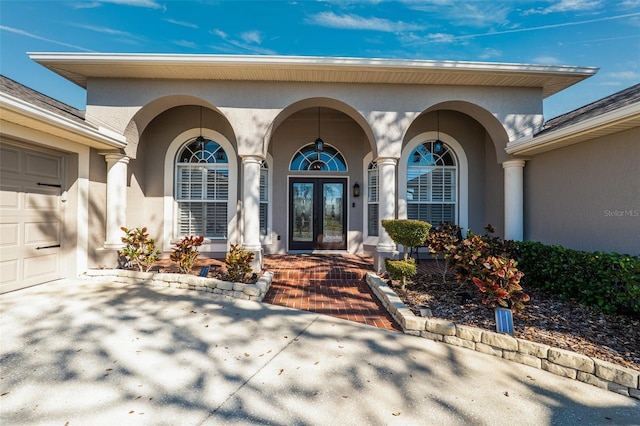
<point x="546" y="319"/>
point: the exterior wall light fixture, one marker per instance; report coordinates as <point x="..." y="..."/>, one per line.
<point x="356" y="190"/>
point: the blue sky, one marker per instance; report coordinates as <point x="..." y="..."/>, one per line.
<point x="600" y="33"/>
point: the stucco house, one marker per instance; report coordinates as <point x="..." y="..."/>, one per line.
<point x="304" y="154"/>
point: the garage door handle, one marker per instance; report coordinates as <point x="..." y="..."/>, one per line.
<point x="46" y="247"/>
<point x="49" y="184"/>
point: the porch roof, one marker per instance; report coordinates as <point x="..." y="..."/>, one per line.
<point x="79" y="67"/>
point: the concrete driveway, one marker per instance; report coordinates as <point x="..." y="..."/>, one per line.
<point x="89" y="353"/>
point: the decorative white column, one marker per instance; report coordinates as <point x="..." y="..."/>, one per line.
<point x="386" y="209"/>
<point x="116" y="198"/>
<point x="513" y="199"/>
<point x="251" y="208"/>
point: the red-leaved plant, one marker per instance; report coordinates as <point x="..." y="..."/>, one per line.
<point x="185" y="252"/>
<point x="500" y="283"/>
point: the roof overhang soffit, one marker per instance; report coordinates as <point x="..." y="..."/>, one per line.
<point x="606" y="124"/>
<point x="79" y="67"/>
<point x="22" y="113"/>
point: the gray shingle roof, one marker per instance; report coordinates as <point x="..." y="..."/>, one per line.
<point x="610" y="103"/>
<point x="24" y="93"/>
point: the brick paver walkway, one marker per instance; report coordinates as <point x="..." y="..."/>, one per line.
<point x="328" y="284"/>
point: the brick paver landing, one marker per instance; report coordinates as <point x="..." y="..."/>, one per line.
<point x="327" y="284"/>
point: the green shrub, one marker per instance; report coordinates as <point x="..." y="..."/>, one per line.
<point x="139" y="249"/>
<point x="185" y="252"/>
<point x="401" y="269"/>
<point x="608" y="281"/>
<point x="238" y="263"/>
<point x="407" y="232"/>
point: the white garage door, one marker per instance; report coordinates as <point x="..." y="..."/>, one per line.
<point x="30" y="217"/>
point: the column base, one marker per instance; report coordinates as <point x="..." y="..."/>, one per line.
<point x="380" y="255"/>
<point x="258" y="258"/>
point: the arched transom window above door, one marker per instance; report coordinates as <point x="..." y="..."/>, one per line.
<point x="308" y="158"/>
<point x="432" y="176"/>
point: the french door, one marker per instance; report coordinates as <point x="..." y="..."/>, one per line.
<point x="317" y="214"/>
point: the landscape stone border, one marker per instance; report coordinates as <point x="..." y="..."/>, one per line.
<point x="220" y="288"/>
<point x="602" y="374"/>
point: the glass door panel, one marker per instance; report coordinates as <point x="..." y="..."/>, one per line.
<point x="303" y="212"/>
<point x="332" y="223"/>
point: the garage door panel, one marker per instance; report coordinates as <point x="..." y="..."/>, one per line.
<point x="9" y="271"/>
<point x="9" y="234"/>
<point x="41" y="233"/>
<point x="42" y="199"/>
<point x="9" y="159"/>
<point x="41" y="267"/>
<point x="43" y="166"/>
<point x="9" y="197"/>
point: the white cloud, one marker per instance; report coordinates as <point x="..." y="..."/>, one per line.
<point x="137" y="3"/>
<point x="251" y="37"/>
<point x="355" y="22"/>
<point x="220" y="34"/>
<point x="440" y="37"/>
<point x="185" y="43"/>
<point x="573" y="6"/>
<point x="104" y="30"/>
<point x="490" y="53"/>
<point x="624" y="75"/>
<point x="181" y="23"/>
<point x="37" y="37"/>
<point x="566" y="6"/>
<point x="461" y="13"/>
<point x="547" y="60"/>
<point x="245" y="44"/>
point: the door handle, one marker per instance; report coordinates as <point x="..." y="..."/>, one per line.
<point x="46" y="247"/>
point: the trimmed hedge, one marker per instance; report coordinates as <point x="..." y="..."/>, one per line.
<point x="608" y="281"/>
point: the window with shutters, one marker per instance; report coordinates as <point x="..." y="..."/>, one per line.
<point x="432" y="172"/>
<point x="202" y="189"/>
<point x="372" y="199"/>
<point x="264" y="198"/>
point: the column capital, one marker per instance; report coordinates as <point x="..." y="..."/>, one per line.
<point x="513" y="163"/>
<point x="248" y="159"/>
<point x="386" y="161"/>
<point x="114" y="156"/>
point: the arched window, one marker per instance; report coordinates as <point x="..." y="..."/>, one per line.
<point x="327" y="160"/>
<point x="432" y="172"/>
<point x="202" y="189"/>
<point x="372" y="199"/>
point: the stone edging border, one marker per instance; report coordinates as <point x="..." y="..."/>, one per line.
<point x="224" y="289"/>
<point x="602" y="374"/>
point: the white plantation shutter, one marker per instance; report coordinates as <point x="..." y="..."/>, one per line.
<point x="264" y="199"/>
<point x="372" y="200"/>
<point x="431" y="185"/>
<point x="202" y="190"/>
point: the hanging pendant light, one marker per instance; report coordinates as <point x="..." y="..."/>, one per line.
<point x="319" y="141"/>
<point x="437" y="145"/>
<point x="200" y="138"/>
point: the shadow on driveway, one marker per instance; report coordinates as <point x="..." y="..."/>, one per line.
<point x="88" y="352"/>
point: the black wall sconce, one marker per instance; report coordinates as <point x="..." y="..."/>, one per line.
<point x="356" y="190"/>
